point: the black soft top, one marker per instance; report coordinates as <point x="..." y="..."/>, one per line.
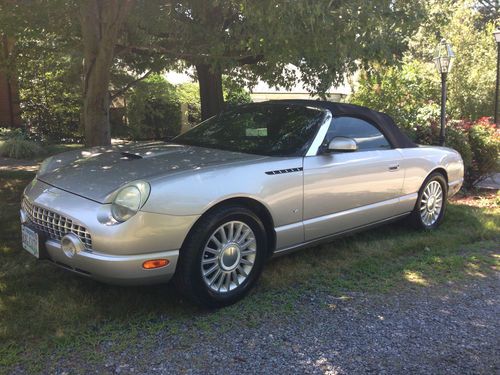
<point x="382" y="121"/>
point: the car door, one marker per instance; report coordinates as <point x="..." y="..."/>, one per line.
<point x="346" y="190"/>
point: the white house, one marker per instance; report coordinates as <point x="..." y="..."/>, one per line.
<point x="262" y="91"/>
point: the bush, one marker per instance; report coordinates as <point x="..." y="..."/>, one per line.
<point x="154" y="110"/>
<point x="427" y="125"/>
<point x="15" y="144"/>
<point x="458" y="140"/>
<point x="484" y="141"/>
<point x="4" y="132"/>
<point x="234" y="94"/>
<point x="405" y="93"/>
<point x="478" y="143"/>
<point x="49" y="87"/>
<point x="189" y="93"/>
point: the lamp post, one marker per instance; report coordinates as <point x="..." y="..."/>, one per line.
<point x="496" y="34"/>
<point x="443" y="58"/>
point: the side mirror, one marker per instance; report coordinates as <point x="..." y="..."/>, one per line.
<point x="342" y="144"/>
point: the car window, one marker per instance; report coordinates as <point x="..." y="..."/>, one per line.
<point x="367" y="136"/>
<point x="263" y="129"/>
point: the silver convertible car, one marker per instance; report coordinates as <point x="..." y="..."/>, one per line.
<point x="211" y="206"/>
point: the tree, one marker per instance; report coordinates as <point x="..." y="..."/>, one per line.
<point x="50" y="86"/>
<point x="472" y="80"/>
<point x="101" y="22"/>
<point x="489" y="9"/>
<point x="415" y="81"/>
<point x="245" y="40"/>
<point x="410" y="91"/>
<point x="74" y="30"/>
<point x="259" y="39"/>
<point x="43" y="60"/>
<point x="9" y="95"/>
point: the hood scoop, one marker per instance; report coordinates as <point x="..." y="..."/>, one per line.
<point x="130" y="156"/>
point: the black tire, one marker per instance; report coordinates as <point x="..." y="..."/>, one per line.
<point x="416" y="218"/>
<point x="188" y="277"/>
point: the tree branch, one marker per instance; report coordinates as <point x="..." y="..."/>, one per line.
<point x="159" y="50"/>
<point x="131" y="84"/>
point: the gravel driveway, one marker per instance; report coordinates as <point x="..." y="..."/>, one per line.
<point x="450" y="329"/>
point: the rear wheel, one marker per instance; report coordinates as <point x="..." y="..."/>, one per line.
<point x="431" y="203"/>
<point x="222" y="257"/>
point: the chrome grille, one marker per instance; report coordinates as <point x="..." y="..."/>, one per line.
<point x="53" y="224"/>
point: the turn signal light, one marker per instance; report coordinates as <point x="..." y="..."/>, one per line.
<point x="155" y="263"/>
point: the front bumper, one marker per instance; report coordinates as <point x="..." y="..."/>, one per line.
<point x="114" y="269"/>
<point x="114" y="253"/>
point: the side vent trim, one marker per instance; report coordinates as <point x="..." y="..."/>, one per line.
<point x="282" y="171"/>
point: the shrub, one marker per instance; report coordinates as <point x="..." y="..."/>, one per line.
<point x="49" y="87"/>
<point x="484" y="141"/>
<point x="427" y="124"/>
<point x="478" y="143"/>
<point x="15" y="144"/>
<point x="153" y="110"/>
<point x="189" y="93"/>
<point x="4" y="132"/>
<point x="406" y="93"/>
<point x="234" y="94"/>
<point x="458" y="139"/>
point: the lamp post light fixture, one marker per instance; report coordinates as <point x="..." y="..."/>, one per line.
<point x="496" y="34"/>
<point x="443" y="58"/>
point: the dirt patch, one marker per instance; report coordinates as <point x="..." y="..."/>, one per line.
<point x="479" y="198"/>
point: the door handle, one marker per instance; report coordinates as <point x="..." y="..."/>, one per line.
<point x="393" y="168"/>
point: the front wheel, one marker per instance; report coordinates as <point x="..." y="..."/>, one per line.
<point x="431" y="203"/>
<point x="222" y="257"/>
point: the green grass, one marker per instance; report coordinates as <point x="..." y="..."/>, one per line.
<point x="45" y="311"/>
<point x="30" y="150"/>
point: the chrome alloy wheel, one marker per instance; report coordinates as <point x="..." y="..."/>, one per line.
<point x="228" y="256"/>
<point x="431" y="203"/>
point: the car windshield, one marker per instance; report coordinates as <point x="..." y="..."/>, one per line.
<point x="263" y="129"/>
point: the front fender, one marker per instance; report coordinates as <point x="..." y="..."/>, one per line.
<point x="193" y="193"/>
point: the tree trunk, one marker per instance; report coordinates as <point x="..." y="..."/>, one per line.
<point x="10" y="110"/>
<point x="101" y="22"/>
<point x="211" y="97"/>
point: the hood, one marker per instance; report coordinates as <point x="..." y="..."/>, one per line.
<point x="97" y="172"/>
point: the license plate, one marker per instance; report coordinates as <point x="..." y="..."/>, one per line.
<point x="30" y="241"/>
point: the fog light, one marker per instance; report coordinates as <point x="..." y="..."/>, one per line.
<point x="71" y="245"/>
<point x="155" y="263"/>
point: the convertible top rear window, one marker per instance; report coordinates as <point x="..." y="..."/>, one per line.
<point x="263" y="129"/>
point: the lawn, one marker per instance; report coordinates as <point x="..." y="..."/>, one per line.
<point x="47" y="313"/>
<point x="37" y="151"/>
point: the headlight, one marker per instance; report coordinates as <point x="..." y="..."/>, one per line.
<point x="129" y="200"/>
